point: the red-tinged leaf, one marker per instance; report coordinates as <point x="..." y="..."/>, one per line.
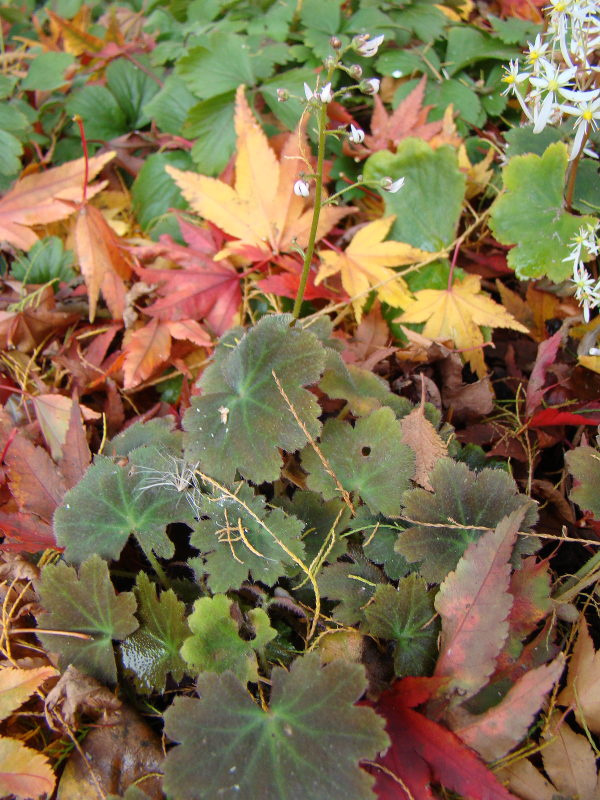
<point x="530" y="588"/>
<point x="506" y="724"/>
<point x="24" y="772"/>
<point x="286" y="282"/>
<point x="424" y="752"/>
<point x="76" y="453"/>
<point x="34" y="480"/>
<point x="146" y="349"/>
<point x="554" y="416"/>
<point x="36" y="199"/>
<point x="53" y="412"/>
<point x="191" y="330"/>
<point x="546" y="356"/>
<point x="474" y="605"/>
<point x="26" y="533"/>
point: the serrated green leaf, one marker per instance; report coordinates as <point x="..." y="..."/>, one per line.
<point x="242" y="418"/>
<point x="120" y="501"/>
<point x="216" y="644"/>
<point x="46" y="261"/>
<point x="11" y="151"/>
<point x="132" y="88"/>
<point x="319" y="518"/>
<point x="159" y="432"/>
<point x="379" y="540"/>
<point x="208" y="72"/>
<point x="459" y="497"/>
<point x="154" y="192"/>
<point x="238" y="536"/>
<point x="463" y="97"/>
<point x="426" y="20"/>
<point x="468" y="45"/>
<point x="293" y="80"/>
<point x="152" y="651"/>
<point x="405" y="616"/>
<point x="307" y="745"/>
<point x="523" y="140"/>
<point x="210" y="122"/>
<point x="586" y="197"/>
<point x="102" y="116"/>
<point x="530" y="214"/>
<point x="369" y="458"/>
<point x="85" y="603"/>
<point x="47" y="71"/>
<point x="351" y="584"/>
<point x="583" y="464"/>
<point x="170" y="106"/>
<point x="428" y="173"/>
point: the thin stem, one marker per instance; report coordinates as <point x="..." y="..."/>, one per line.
<point x="86" y="171"/>
<point x="160" y="573"/>
<point x="341" y="192"/>
<point x="452" y="265"/>
<point x="570" y="190"/>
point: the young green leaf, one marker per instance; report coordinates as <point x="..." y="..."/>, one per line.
<point x="242" y="418"/>
<point x="85" y="603"/>
<point x="152" y="651"/>
<point x="216" y="644"/>
<point x="406" y="617"/>
<point x="308" y="744"/>
<point x="370" y="459"/>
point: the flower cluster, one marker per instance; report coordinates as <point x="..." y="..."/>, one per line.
<point x="585" y="245"/>
<point x="558" y="80"/>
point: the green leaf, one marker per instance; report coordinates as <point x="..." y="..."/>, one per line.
<point x="154" y="192"/>
<point x="460" y="497"/>
<point x="102" y="116"/>
<point x="219" y="68"/>
<point x="46" y="261"/>
<point x="307" y="745"/>
<point x="467" y="45"/>
<point x="216" y="644"/>
<point x="47" y="71"/>
<point x="351" y="584"/>
<point x="159" y="432"/>
<point x="424" y="19"/>
<point x="132" y="88"/>
<point x="587" y="187"/>
<point x="583" y="464"/>
<point x="379" y="540"/>
<point x="369" y="458"/>
<point x="169" y="107"/>
<point x="11" y="151"/>
<point x="153" y="650"/>
<point x="319" y="518"/>
<point x="530" y="214"/>
<point x="242" y="419"/>
<point x="293" y="80"/>
<point x="461" y="94"/>
<point x="119" y="501"/>
<point x="514" y="30"/>
<point x="428" y="173"/>
<point x="523" y="140"/>
<point x="211" y="124"/>
<point x="405" y="616"/>
<point x="238" y="535"/>
<point x="85" y="603"/>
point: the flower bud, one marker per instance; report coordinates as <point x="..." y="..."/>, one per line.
<point x="356" y="135"/>
<point x="330" y="62"/>
<point x="301" y="188"/>
<point x="356" y="71"/>
<point x="369" y="86"/>
<point x="282" y="95"/>
<point x="335" y="42"/>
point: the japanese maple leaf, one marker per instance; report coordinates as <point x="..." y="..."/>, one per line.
<point x="387" y="130"/>
<point x="456" y="314"/>
<point x="423" y="752"/>
<point x="261" y="211"/>
<point x="203" y="289"/>
<point x="37" y="199"/>
<point x="285" y="283"/>
<point x="366" y="263"/>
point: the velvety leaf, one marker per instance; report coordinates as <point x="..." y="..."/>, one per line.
<point x="238" y="536"/>
<point x="459" y="496"/>
<point x="351" y="584"/>
<point x="159" y="432"/>
<point x="473" y="603"/>
<point x="24" y="772"/>
<point x="240" y="397"/>
<point x="120" y="501"/>
<point x="429" y="173"/>
<point x="308" y="744"/>
<point x="369" y="458"/>
<point x="583" y="464"/>
<point x="34" y="480"/>
<point x="319" y="519"/>
<point x="17" y="685"/>
<point x="216" y="644"/>
<point x="423" y="751"/>
<point x="85" y="603"/>
<point x="531" y="215"/>
<point x="505" y="725"/>
<point x="152" y="651"/>
<point x="406" y="617"/>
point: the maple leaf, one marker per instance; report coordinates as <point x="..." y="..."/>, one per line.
<point x="203" y="289"/>
<point x="387" y="130"/>
<point x="260" y="211"/>
<point x="286" y="282"/>
<point x="456" y="313"/>
<point x="424" y="751"/>
<point x="582" y="691"/>
<point x="37" y="199"/>
<point x="366" y="262"/>
<point x="24" y="772"/>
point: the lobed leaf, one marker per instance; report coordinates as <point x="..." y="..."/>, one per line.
<point x="24" y="773"/>
<point x="352" y="584"/>
<point x="583" y="463"/>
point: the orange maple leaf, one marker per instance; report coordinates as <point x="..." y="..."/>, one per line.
<point x="261" y="210"/>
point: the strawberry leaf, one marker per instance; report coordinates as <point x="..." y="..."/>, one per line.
<point x="308" y="744"/>
<point x="85" y="603"/>
<point x="240" y="397"/>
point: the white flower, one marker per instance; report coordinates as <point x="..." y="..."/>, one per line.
<point x="370" y="86"/>
<point x="587" y="114"/>
<point x="356" y="135"/>
<point x="326" y="95"/>
<point x="370" y="47"/>
<point x="388" y="185"/>
<point x="513" y="77"/>
<point x="536" y="50"/>
<point x="308" y="92"/>
<point x="586" y="291"/>
<point x="301" y="188"/>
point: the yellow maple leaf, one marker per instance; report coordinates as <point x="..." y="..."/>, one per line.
<point x="260" y="210"/>
<point x="456" y="313"/>
<point x="366" y="262"/>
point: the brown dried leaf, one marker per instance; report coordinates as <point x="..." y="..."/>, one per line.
<point x="34" y="480"/>
<point x="17" y="686"/>
<point x="570" y="761"/>
<point x="526" y="781"/>
<point x="419" y="434"/>
<point x="582" y="691"/>
<point x="76" y="695"/>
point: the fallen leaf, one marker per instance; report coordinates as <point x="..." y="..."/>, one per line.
<point x="582" y="692"/>
<point x="455" y="314"/>
<point x="76" y="455"/>
<point x="419" y="434"/>
<point x="75" y="695"/>
<point x="369" y="345"/>
<point x="24" y="772"/>
<point x="261" y="212"/>
<point x="546" y="356"/>
<point x="17" y="686"/>
<point x="569" y="761"/>
<point x="54" y="413"/>
<point x="527" y="781"/>
<point x="366" y="262"/>
<point x="36" y="199"/>
<point x="25" y="533"/>
<point x="34" y="481"/>
<point x="145" y="350"/>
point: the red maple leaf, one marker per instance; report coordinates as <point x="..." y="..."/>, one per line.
<point x="285" y="282"/>
<point x="424" y="752"/>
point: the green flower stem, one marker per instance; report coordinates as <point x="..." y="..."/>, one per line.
<point x="160" y="573"/>
<point x="342" y="191"/>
